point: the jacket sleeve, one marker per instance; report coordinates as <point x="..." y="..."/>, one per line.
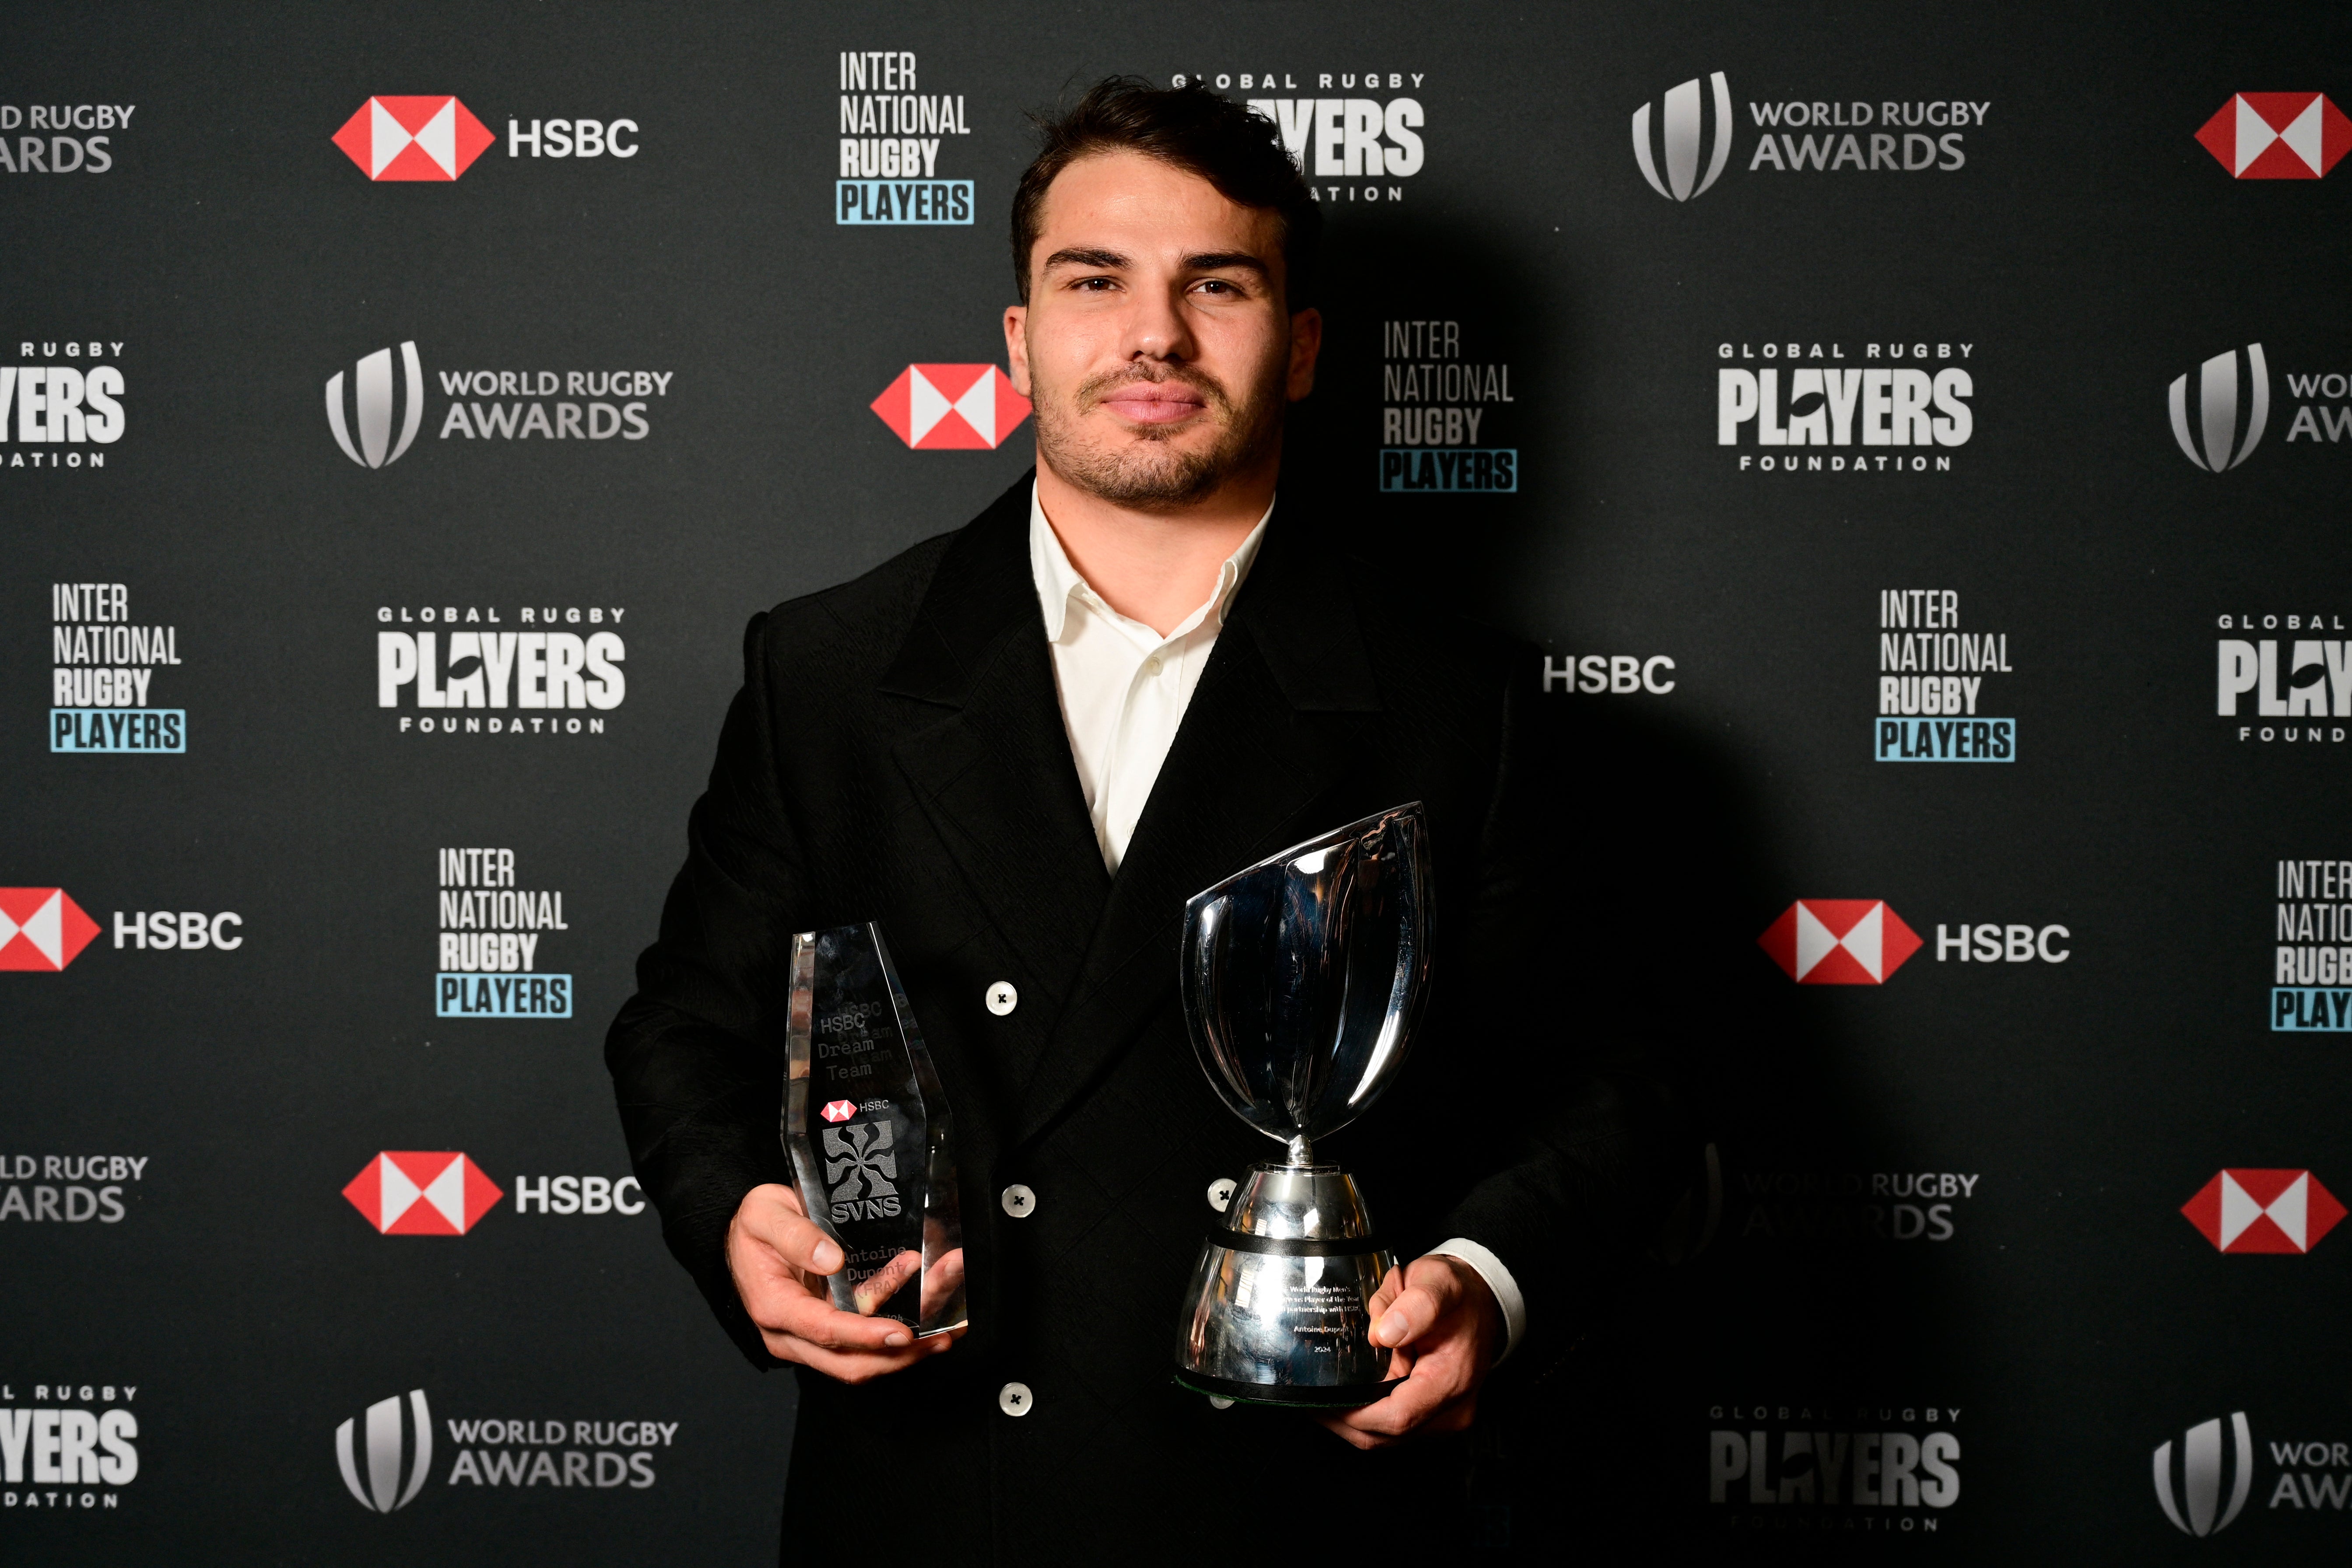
<point x="697" y="1055"/>
<point x="1582" y="1180"/>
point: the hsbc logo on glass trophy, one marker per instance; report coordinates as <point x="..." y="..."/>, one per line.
<point x="951" y="407"/>
<point x="377" y="1451"/>
<point x="2191" y="1488"/>
<point x="1677" y="146"/>
<point x="2208" y="428"/>
<point x="2248" y="1211"/>
<point x="2277" y="135"/>
<point x="372" y="411"/>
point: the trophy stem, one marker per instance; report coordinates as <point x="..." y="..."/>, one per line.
<point x="1302" y="1151"/>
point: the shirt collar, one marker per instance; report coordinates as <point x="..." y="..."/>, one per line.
<point x="1058" y="580"/>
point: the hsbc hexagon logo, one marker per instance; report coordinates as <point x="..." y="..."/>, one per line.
<point x="837" y="1111"/>
<point x="41" y="930"/>
<point x="406" y="1193"/>
<point x="1839" y="942"/>
<point x="2277" y="135"/>
<point x="430" y="137"/>
<point x="951" y="407"/>
<point x="2242" y="1211"/>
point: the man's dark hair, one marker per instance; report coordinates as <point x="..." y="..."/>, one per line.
<point x="1236" y="149"/>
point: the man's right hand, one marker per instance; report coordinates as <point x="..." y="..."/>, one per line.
<point x="780" y="1258"/>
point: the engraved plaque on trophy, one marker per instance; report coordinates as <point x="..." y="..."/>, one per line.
<point x="1303" y="977"/>
<point x="870" y="1136"/>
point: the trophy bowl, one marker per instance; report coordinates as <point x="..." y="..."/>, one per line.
<point x="1303" y="978"/>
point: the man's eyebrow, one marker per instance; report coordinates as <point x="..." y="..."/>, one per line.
<point x="1218" y="260"/>
<point x="1082" y="256"/>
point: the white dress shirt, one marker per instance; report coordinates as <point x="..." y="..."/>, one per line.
<point x="1124" y="690"/>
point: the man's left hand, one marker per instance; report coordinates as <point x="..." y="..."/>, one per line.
<point x="1443" y="1330"/>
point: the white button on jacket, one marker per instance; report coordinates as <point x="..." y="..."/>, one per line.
<point x="1018" y="1201"/>
<point x="1002" y="998"/>
<point x="1014" y="1399"/>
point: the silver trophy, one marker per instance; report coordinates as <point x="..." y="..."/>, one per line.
<point x="870" y="1136"/>
<point x="1303" y="977"/>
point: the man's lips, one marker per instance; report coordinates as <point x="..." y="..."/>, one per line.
<point x="1155" y="402"/>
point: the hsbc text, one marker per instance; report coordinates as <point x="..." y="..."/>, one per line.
<point x="1993" y="944"/>
<point x="1621" y="673"/>
<point x="189" y="930"/>
<point x="579" y="1194"/>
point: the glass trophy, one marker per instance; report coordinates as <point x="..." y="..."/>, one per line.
<point x="1303" y="978"/>
<point x="870" y="1136"/>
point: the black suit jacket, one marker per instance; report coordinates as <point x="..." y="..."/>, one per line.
<point x="897" y="752"/>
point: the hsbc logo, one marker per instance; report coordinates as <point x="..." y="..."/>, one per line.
<point x="406" y="1193"/>
<point x="376" y="1448"/>
<point x="41" y="928"/>
<point x="2210" y="435"/>
<point x="2248" y="1211"/>
<point x="2277" y="135"/>
<point x="1839" y="942"/>
<point x="429" y="138"/>
<point x="2189" y="1491"/>
<point x="1676" y="145"/>
<point x="837" y="1111"/>
<point x="951" y="407"/>
<point x="371" y="396"/>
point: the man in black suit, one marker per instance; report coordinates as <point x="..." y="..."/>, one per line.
<point x="1020" y="747"/>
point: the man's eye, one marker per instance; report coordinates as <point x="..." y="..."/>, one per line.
<point x="1219" y="286"/>
<point x="1093" y="285"/>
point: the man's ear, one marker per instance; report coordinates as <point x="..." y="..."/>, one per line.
<point x="1016" y="346"/>
<point x="1305" y="343"/>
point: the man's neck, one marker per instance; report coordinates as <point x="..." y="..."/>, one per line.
<point x="1156" y="568"/>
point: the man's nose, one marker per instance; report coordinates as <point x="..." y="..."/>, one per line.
<point x="1158" y="329"/>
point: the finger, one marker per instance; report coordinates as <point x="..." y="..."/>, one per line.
<point x="1411" y="1403"/>
<point x="799" y="1241"/>
<point x="855" y="1365"/>
<point x="884" y="1281"/>
<point x="1414" y="1313"/>
<point x="1353" y="1436"/>
<point x="806" y="1317"/>
<point x="845" y="1366"/>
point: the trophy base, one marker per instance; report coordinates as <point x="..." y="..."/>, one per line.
<point x="1279" y="1311"/>
<point x="1293" y="1396"/>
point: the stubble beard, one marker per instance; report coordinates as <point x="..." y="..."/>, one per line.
<point x="1143" y="468"/>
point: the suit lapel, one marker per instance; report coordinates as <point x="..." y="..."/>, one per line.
<point x="1274" y="724"/>
<point x="990" y="760"/>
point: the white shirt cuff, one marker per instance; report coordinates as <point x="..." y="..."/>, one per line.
<point x="1498" y="1279"/>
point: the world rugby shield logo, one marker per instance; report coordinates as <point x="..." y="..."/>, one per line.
<point x="2208" y="434"/>
<point x="372" y="400"/>
<point x="2189" y="1491"/>
<point x="370" y="1456"/>
<point x="1674" y="147"/>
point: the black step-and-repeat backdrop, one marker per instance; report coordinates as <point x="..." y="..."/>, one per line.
<point x="1920" y="438"/>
